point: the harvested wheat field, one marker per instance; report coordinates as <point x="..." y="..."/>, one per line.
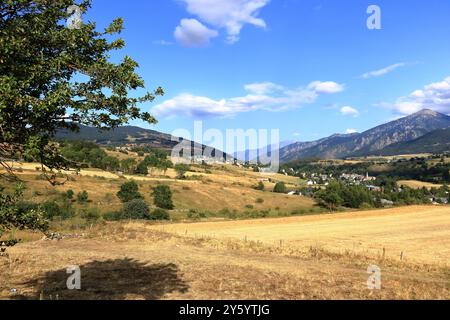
<point x="422" y="233"/>
<point x="316" y="260"/>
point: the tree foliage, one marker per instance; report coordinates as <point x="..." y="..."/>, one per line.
<point x="129" y="191"/>
<point x="280" y="187"/>
<point x="162" y="196"/>
<point x="53" y="77"/>
<point x="13" y="216"/>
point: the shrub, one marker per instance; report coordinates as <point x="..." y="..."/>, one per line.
<point x="249" y="206"/>
<point x="260" y="186"/>
<point x="181" y="169"/>
<point x="280" y="187"/>
<point x="159" y="214"/>
<point x="129" y="191"/>
<point x="82" y="197"/>
<point x="135" y="209"/>
<point x="91" y="214"/>
<point x="162" y="197"/>
<point x="260" y="200"/>
<point x="51" y="210"/>
<point x="196" y="214"/>
<point x="70" y="194"/>
<point x="25" y="206"/>
<point x="112" y="216"/>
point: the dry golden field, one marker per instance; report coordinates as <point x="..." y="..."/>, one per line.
<point x="415" y="184"/>
<point x="422" y="233"/>
<point x="302" y="257"/>
<point x="322" y="257"/>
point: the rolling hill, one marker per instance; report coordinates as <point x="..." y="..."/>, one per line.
<point x="131" y="135"/>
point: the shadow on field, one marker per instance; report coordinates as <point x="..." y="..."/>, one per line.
<point x="110" y="280"/>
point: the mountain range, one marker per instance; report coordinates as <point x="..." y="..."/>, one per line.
<point x="426" y="131"/>
<point x="395" y="137"/>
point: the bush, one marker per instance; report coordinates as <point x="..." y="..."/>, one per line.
<point x="260" y="200"/>
<point x="112" y="216"/>
<point x="129" y="191"/>
<point x="181" y="169"/>
<point x="51" y="210"/>
<point x="162" y="197"/>
<point x="70" y="194"/>
<point x="90" y="215"/>
<point x="135" y="209"/>
<point x="260" y="186"/>
<point x="159" y="214"/>
<point x="83" y="197"/>
<point x="196" y="215"/>
<point x="280" y="187"/>
<point x="25" y="206"/>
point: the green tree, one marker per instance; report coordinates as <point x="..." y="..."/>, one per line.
<point x="128" y="165"/>
<point x="110" y="163"/>
<point x="39" y="59"/>
<point x="280" y="187"/>
<point x="13" y="216"/>
<point x="142" y="168"/>
<point x="135" y="209"/>
<point x="162" y="197"/>
<point x="129" y="191"/>
<point x="329" y="199"/>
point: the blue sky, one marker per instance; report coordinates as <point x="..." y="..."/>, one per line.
<point x="310" y="68"/>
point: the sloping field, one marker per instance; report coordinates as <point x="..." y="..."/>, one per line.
<point x="422" y="233"/>
<point x="415" y="184"/>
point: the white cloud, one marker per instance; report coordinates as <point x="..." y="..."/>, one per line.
<point x="349" y="131"/>
<point x="435" y="96"/>
<point x="349" y="111"/>
<point x="260" y="96"/>
<point x="326" y="87"/>
<point x="230" y="15"/>
<point x="383" y="71"/>
<point x="192" y="33"/>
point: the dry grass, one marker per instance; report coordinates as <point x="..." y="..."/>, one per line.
<point x="132" y="262"/>
<point x="422" y="233"/>
<point x="415" y="184"/>
<point x="226" y="187"/>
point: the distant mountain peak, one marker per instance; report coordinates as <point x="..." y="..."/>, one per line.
<point x="427" y="112"/>
<point x="371" y="141"/>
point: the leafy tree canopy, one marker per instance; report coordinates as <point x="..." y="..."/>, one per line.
<point x="53" y="77"/>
